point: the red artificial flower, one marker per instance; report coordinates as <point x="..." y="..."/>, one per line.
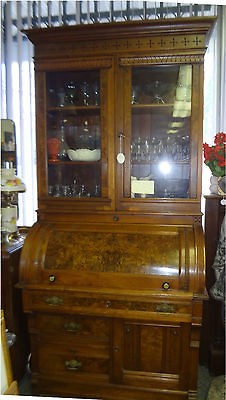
<point x="220" y="138"/>
<point x="214" y="156"/>
<point x="207" y="151"/>
<point x="222" y="163"/>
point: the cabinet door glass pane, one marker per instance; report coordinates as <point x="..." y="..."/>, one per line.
<point x="160" y="131"/>
<point x="74" y="134"/>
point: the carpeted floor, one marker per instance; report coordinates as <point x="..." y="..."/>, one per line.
<point x="217" y="390"/>
<point x="204" y="381"/>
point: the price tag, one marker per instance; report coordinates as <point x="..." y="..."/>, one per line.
<point x="121" y="158"/>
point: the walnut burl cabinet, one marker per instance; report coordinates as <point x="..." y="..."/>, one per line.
<point x="112" y="274"/>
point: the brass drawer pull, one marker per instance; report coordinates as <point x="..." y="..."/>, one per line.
<point x="72" y="326"/>
<point x="54" y="300"/>
<point x="72" y="364"/>
<point x="166" y="285"/>
<point x="165" y="308"/>
<point x="52" y="278"/>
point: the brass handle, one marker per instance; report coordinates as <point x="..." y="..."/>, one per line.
<point x="72" y="364"/>
<point x="54" y="300"/>
<point x="72" y="326"/>
<point x="52" y="278"/>
<point x="165" y="308"/>
<point x="166" y="285"/>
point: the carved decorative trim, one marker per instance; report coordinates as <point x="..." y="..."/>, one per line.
<point x="152" y="43"/>
<point x="149" y="44"/>
<point x="197" y="220"/>
<point x="185" y="59"/>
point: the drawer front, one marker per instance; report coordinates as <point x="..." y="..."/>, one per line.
<point x="59" y="358"/>
<point x="162" y="308"/>
<point x="83" y="328"/>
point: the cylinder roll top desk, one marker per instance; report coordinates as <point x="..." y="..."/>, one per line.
<point x="113" y="272"/>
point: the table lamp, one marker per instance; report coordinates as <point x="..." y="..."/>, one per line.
<point x="10" y="184"/>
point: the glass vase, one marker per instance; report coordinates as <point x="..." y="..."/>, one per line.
<point x="213" y="184"/>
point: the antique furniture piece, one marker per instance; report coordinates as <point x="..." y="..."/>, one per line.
<point x="11" y="245"/>
<point x="212" y="350"/>
<point x="11" y="185"/>
<point x="11" y="303"/>
<point x="9" y="200"/>
<point x="113" y="272"/>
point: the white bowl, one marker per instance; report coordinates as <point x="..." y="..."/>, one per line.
<point x="84" y="155"/>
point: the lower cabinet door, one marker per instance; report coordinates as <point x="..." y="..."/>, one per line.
<point x="156" y="355"/>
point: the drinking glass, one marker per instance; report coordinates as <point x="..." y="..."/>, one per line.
<point x="85" y="89"/>
<point x="71" y="93"/>
<point x="96" y="94"/>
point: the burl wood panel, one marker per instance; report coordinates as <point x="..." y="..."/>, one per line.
<point x="152" y="348"/>
<point x="115" y="252"/>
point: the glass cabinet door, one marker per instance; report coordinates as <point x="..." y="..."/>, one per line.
<point x="160" y="131"/>
<point x="74" y="137"/>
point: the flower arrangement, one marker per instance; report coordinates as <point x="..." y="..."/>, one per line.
<point x="214" y="156"/>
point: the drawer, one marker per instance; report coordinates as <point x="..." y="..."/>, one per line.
<point x="160" y="307"/>
<point x="84" y="328"/>
<point x="58" y="358"/>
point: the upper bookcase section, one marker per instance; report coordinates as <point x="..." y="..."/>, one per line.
<point x="174" y="35"/>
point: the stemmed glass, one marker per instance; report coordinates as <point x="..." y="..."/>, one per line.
<point x="71" y="93"/>
<point x="134" y="95"/>
<point x="85" y="89"/>
<point x="136" y="149"/>
<point x="96" y="94"/>
<point x="146" y="148"/>
<point x="185" y="147"/>
<point x="156" y="93"/>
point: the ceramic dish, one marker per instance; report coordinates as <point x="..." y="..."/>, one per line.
<point x="84" y="155"/>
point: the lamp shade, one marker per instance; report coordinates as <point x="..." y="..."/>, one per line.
<point x="10" y="182"/>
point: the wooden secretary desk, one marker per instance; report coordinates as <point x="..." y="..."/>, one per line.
<point x="112" y="274"/>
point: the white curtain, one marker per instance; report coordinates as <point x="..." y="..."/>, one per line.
<point x="214" y="90"/>
<point x="18" y="104"/>
<point x="222" y="71"/>
<point x="17" y="77"/>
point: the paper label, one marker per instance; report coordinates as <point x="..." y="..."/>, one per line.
<point x="142" y="187"/>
